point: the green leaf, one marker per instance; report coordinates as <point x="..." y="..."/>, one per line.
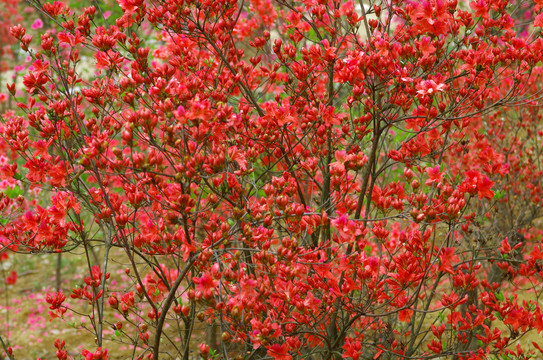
<point x="12" y="193"/>
<point x="499" y="194"/>
<point x="500" y="296"/>
<point x="209" y="62"/>
<point x="117" y="333"/>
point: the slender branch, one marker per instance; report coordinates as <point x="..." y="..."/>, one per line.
<point x="166" y="306"/>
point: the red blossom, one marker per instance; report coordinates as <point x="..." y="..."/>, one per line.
<point x="307" y="176"/>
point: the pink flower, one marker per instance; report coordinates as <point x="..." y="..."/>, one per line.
<point x="480" y="7"/>
<point x="107" y="14"/>
<point x="478" y="183"/>
<point x="425" y="46"/>
<point x="3" y="97"/>
<point x="129" y="6"/>
<point x="429" y="87"/>
<point x="538" y="22"/>
<point x="279" y="352"/>
<point x="38" y="24"/>
<point x="434" y="175"/>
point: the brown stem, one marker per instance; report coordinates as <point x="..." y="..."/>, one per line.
<point x="367" y="172"/>
<point x="166" y="307"/>
<point x="57" y="272"/>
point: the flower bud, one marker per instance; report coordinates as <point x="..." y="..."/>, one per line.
<point x="204" y="350"/>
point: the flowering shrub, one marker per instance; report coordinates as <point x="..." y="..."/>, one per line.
<point x="306" y="179"/>
<point x="8" y="13"/>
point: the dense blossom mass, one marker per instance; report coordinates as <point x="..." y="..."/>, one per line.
<point x="308" y="179"/>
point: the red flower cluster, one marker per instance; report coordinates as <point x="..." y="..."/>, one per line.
<point x="355" y="180"/>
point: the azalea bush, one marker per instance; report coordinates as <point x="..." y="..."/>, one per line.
<point x="8" y="14"/>
<point x="301" y="179"/>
